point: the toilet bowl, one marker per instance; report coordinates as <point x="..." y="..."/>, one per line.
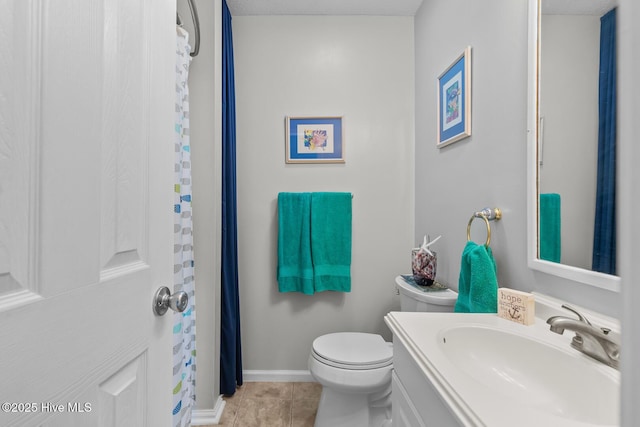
<point x="354" y="368"/>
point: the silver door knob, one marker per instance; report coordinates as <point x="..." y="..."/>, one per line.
<point x="163" y="300"/>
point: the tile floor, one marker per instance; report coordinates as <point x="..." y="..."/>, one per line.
<point x="262" y="404"/>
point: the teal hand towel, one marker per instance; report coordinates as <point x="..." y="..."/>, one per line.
<point x="478" y="283"/>
<point x="295" y="267"/>
<point x="549" y="223"/>
<point x="331" y="241"/>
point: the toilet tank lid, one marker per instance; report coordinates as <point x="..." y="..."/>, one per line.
<point x="353" y="348"/>
<point x="443" y="297"/>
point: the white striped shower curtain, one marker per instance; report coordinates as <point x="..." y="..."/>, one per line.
<point x="184" y="329"/>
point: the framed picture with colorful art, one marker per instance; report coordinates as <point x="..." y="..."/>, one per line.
<point x="314" y="140"/>
<point x="454" y="100"/>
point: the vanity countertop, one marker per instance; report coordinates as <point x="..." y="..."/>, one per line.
<point x="493" y="372"/>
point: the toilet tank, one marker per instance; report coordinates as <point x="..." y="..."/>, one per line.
<point x="413" y="298"/>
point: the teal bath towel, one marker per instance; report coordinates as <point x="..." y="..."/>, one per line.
<point x="295" y="267"/>
<point x="331" y="241"/>
<point x="549" y="223"/>
<point x="478" y="283"/>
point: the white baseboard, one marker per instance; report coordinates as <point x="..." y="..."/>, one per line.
<point x="203" y="417"/>
<point x="277" y="376"/>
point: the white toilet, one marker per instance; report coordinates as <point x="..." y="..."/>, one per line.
<point x="354" y="368"/>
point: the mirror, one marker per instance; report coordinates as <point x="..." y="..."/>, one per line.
<point x="563" y="128"/>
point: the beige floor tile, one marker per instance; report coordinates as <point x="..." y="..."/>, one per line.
<point x="303" y="412"/>
<point x="264" y="412"/>
<point x="268" y="390"/>
<point x="272" y="405"/>
<point x="231" y="403"/>
<point x="306" y="391"/>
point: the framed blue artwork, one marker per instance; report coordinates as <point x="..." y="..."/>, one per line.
<point x="454" y="100"/>
<point x="314" y="140"/>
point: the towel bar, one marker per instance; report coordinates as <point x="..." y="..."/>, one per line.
<point x="491" y="214"/>
<point x="487" y="214"/>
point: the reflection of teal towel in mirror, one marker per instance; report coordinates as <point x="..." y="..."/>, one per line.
<point x="295" y="268"/>
<point x="549" y="226"/>
<point x="478" y="282"/>
<point x="331" y="241"/>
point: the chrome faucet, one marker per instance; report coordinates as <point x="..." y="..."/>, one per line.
<point x="590" y="340"/>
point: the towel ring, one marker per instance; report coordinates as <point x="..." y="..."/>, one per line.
<point x="486" y="221"/>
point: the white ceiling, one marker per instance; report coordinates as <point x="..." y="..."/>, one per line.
<point x="324" y="7"/>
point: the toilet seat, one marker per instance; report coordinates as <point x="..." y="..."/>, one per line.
<point x="353" y="350"/>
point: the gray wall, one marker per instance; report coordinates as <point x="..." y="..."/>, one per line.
<point x="488" y="168"/>
<point x="358" y="67"/>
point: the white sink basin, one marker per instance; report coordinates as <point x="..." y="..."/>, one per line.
<point x="496" y="373"/>
<point x="535" y="373"/>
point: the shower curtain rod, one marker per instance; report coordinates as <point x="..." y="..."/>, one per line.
<point x="196" y="25"/>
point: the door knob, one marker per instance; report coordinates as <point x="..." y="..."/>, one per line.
<point x="163" y="300"/>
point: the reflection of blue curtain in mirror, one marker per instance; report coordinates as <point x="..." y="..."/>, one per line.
<point x="604" y="240"/>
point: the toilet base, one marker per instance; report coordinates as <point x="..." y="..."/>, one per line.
<point x="338" y="409"/>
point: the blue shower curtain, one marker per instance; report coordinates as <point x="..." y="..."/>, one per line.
<point x="604" y="240"/>
<point x="230" y="348"/>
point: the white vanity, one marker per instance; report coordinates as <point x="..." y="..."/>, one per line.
<point x="481" y="370"/>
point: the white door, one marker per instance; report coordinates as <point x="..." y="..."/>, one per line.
<point x="86" y="230"/>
